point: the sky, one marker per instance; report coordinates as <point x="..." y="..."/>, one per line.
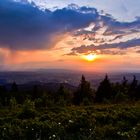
<point x="123" y="10"/>
<point x="88" y="35"/>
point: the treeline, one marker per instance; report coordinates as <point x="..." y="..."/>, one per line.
<point x="107" y="92"/>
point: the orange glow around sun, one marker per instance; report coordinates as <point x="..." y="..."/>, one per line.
<point x="90" y="57"/>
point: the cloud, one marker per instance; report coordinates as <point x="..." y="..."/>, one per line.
<point x="106" y="48"/>
<point x="138" y="51"/>
<point x="24" y="26"/>
<point x="112" y="52"/>
<point x="2" y="57"/>
<point x="121" y="45"/>
<point x="105" y="34"/>
<point x="83" y="49"/>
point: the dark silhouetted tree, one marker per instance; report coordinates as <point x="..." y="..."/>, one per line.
<point x="61" y="90"/>
<point x="120" y="91"/>
<point x="137" y="94"/>
<point x="14" y="87"/>
<point x="133" y="88"/>
<point x="16" y="93"/>
<point x="124" y="81"/>
<point x="124" y="86"/>
<point x="4" y="96"/>
<point x="62" y="95"/>
<point x="36" y="92"/>
<point x="104" y="91"/>
<point x="84" y="92"/>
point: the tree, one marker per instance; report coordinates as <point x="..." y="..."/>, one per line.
<point x="37" y="92"/>
<point x="16" y="93"/>
<point x="124" y="86"/>
<point x="61" y="90"/>
<point x="137" y="94"/>
<point x="84" y="92"/>
<point x="4" y="96"/>
<point x="14" y="87"/>
<point x="62" y="95"/>
<point x="120" y="90"/>
<point x="104" y="91"/>
<point x="124" y="81"/>
<point x="133" y="88"/>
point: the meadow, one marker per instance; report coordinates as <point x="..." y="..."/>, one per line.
<point x="99" y="121"/>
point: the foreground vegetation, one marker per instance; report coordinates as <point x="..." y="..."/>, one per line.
<point x="112" y="112"/>
<point x="104" y="121"/>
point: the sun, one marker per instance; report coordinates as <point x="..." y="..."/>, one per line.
<point x="90" y="57"/>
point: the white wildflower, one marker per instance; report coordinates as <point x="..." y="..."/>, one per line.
<point x="118" y="132"/>
<point x="70" y="121"/>
<point x="134" y="128"/>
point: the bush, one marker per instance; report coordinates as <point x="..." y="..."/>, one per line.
<point x="27" y="111"/>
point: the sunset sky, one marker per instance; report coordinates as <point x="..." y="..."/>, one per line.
<point x="89" y="35"/>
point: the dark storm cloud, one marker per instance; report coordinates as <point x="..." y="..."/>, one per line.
<point x="24" y="26"/>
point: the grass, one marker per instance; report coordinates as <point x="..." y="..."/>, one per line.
<point x="99" y="121"/>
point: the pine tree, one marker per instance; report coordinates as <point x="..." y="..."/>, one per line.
<point x="104" y="91"/>
<point x="124" y="86"/>
<point x="84" y="92"/>
<point x="133" y="88"/>
<point x="124" y="82"/>
<point x="14" y="87"/>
